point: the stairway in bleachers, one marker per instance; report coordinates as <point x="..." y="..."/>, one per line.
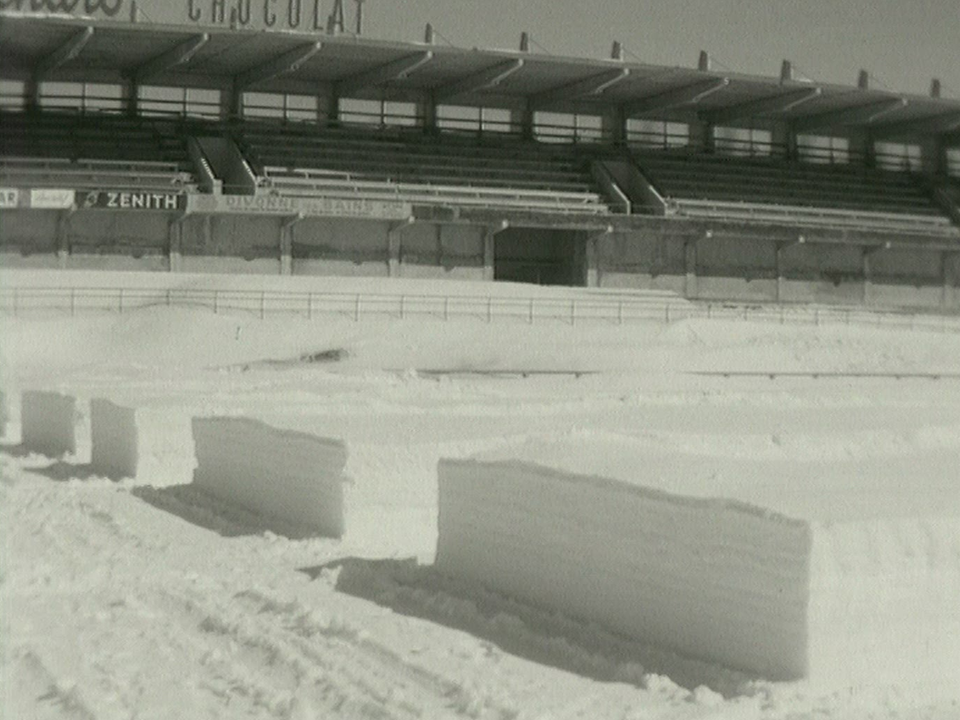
<point x="103" y="151"/>
<point x="409" y="166"/>
<point x="716" y="185"/>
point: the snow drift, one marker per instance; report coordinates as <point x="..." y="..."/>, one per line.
<point x="717" y="579"/>
<point x="113" y="437"/>
<point x="292" y="477"/>
<point x="47" y="423"/>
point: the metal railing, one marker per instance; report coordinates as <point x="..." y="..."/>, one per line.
<point x="615" y="310"/>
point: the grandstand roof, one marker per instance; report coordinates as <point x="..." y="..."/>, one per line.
<point x="78" y="49"/>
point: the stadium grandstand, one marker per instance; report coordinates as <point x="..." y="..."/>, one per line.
<point x="211" y="144"/>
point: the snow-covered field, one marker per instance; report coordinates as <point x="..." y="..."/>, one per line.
<point x="150" y="598"/>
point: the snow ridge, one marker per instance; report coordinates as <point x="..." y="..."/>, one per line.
<point x="47" y="423"/>
<point x="717" y="580"/>
<point x="294" y="477"/>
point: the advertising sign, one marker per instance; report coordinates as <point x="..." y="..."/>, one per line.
<point x="284" y="15"/>
<point x="129" y="200"/>
<point x="9" y="197"/>
<point x="311" y="207"/>
<point x="51" y="199"/>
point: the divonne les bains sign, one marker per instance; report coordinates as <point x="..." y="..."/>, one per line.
<point x="305" y="15"/>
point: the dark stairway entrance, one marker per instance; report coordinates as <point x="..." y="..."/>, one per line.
<point x="541" y="256"/>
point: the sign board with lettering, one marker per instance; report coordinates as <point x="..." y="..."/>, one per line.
<point x="9" y="197"/>
<point x="52" y="199"/>
<point x="308" y="207"/>
<point x="283" y="15"/>
<point x="130" y="200"/>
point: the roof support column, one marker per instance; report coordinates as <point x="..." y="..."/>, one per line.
<point x="231" y="105"/>
<point x="867" y="264"/>
<point x="286" y="243"/>
<point x="63" y="237"/>
<point x="489" y="234"/>
<point x="521" y="120"/>
<point x="690" y="280"/>
<point x="702" y="135"/>
<point x="592" y="263"/>
<point x="613" y="125"/>
<point x="328" y="107"/>
<point x="950" y="276"/>
<point x="784" y="137"/>
<point x="427" y="113"/>
<point x="175" y="243"/>
<point x="781" y="279"/>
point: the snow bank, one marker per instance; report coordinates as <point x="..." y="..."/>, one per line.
<point x="841" y="598"/>
<point x="47" y="423"/>
<point x="113" y="436"/>
<point x="290" y="476"/>
<point x="719" y="580"/>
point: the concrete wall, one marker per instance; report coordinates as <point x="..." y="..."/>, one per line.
<point x="231" y="244"/>
<point x="641" y="259"/>
<point x="332" y="246"/>
<point x="113" y="437"/>
<point x="28" y="238"/>
<point x="47" y="423"/>
<point x="290" y="478"/>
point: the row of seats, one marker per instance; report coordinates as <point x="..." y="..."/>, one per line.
<point x="700" y="184"/>
<point x="89" y="152"/>
<point x="417" y="168"/>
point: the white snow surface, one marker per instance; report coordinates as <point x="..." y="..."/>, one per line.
<point x="292" y="478"/>
<point x="148" y="597"/>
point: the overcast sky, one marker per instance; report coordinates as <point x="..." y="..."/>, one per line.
<point x="902" y="43"/>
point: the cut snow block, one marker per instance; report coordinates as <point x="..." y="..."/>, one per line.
<point x="47" y="423"/>
<point x="291" y="476"/>
<point x="713" y="579"/>
<point x="113" y="437"/>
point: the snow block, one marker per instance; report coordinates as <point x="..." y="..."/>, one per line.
<point x="47" y="423"/>
<point x="714" y="579"/>
<point x="113" y="437"/>
<point x="291" y="476"/>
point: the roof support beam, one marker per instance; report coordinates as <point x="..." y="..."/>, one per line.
<point x="382" y="74"/>
<point x="482" y="80"/>
<point x="858" y="115"/>
<point x="940" y="124"/>
<point x="286" y="63"/>
<point x="692" y="93"/>
<point x="774" y="104"/>
<point x="177" y="55"/>
<point x="63" y="54"/>
<point x="594" y="85"/>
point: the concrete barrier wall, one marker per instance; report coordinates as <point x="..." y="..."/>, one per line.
<point x="714" y="579"/>
<point x="292" y="477"/>
<point x="113" y="436"/>
<point x="47" y="423"/>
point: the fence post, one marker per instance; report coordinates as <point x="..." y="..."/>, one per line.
<point x="573" y="312"/>
<point x="16" y="302"/>
<point x="73" y="302"/>
<point x="666" y="313"/>
<point x="403" y="300"/>
<point x="489" y="309"/>
<point x="216" y="302"/>
<point x="120" y="302"/>
<point x="356" y="310"/>
<point x="620" y="312"/>
<point x="263" y="302"/>
<point x="530" y="316"/>
<point x="309" y="306"/>
<point x="168" y="297"/>
<point x="816" y="317"/>
<point x="446" y="308"/>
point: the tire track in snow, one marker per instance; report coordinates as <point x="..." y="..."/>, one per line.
<point x="294" y="663"/>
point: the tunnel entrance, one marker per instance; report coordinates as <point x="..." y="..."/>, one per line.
<point x="540" y="256"/>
